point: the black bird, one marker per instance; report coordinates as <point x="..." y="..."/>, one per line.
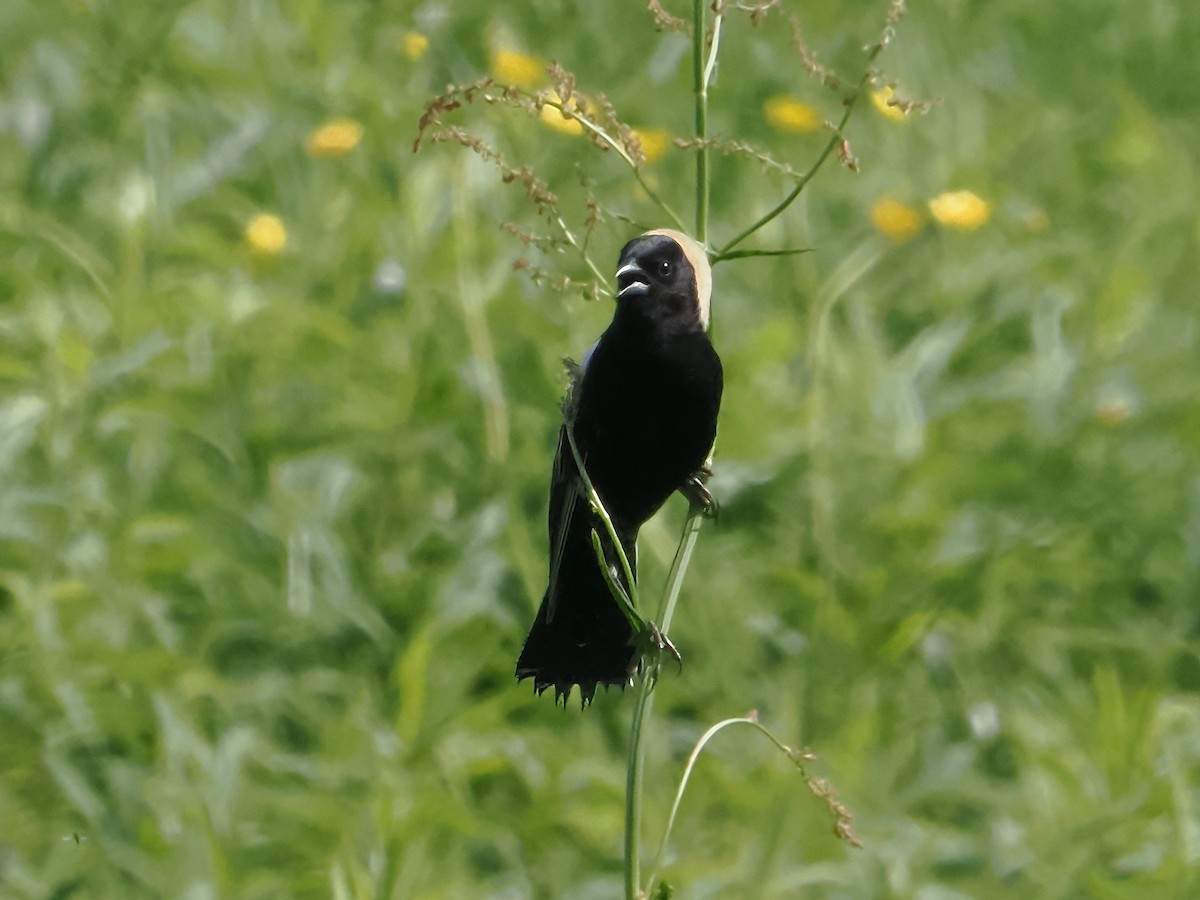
<point x="644" y="407"/>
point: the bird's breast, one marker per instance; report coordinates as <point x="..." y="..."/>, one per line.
<point x="646" y="419"/>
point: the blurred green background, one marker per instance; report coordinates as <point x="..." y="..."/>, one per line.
<point x="272" y="490"/>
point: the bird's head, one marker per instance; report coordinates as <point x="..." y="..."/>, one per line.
<point x="667" y="276"/>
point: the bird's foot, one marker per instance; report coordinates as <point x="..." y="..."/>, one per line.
<point x="660" y="644"/>
<point x="650" y="645"/>
<point x="698" y="495"/>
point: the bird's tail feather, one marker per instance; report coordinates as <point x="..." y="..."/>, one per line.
<point x="580" y="636"/>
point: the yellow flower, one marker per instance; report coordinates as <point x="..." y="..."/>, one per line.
<point x="880" y="98"/>
<point x="654" y="141"/>
<point x="266" y="234"/>
<point x="556" y="120"/>
<point x="414" y="45"/>
<point x="961" y="210"/>
<point x="518" y="69"/>
<point x="897" y="220"/>
<point x="789" y="115"/>
<point x="335" y="138"/>
<point x="1112" y="411"/>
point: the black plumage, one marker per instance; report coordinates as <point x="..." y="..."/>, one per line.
<point x="645" y="418"/>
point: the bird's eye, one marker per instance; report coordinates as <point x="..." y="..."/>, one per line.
<point x="664" y="268"/>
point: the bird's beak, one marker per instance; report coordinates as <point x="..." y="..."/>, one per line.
<point x="632" y="281"/>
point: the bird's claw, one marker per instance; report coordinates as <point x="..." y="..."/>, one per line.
<point x="662" y="644"/>
<point x="698" y="495"/>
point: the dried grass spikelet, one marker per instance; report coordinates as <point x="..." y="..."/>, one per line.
<point x="739" y="148"/>
<point x="664" y="21"/>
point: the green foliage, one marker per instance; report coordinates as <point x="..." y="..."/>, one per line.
<point x="272" y="525"/>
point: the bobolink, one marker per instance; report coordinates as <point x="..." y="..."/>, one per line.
<point x="644" y="413"/>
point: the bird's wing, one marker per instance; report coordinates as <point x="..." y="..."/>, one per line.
<point x="587" y="356"/>
<point x="566" y="491"/>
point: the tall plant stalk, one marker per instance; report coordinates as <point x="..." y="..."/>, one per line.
<point x="702" y="69"/>
<point x="700" y="90"/>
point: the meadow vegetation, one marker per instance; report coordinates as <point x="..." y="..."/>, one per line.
<point x="278" y="401"/>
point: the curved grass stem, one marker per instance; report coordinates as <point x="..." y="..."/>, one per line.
<point x="633" y="785"/>
<point x="617" y="147"/>
<point x="832" y="144"/>
<point x="628" y="596"/>
<point x="647" y="679"/>
<point x="687" y="774"/>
